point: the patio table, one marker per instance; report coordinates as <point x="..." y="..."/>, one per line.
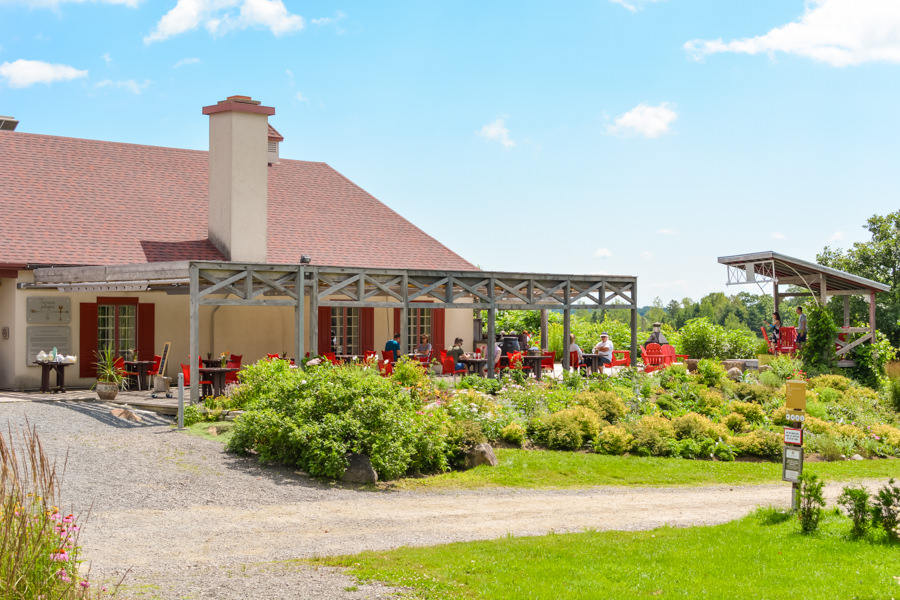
<point x="211" y="362"/>
<point x="217" y="376"/>
<point x="534" y="363"/>
<point x="142" y="368"/>
<point x="594" y="361"/>
<point x="46" y="367"/>
<point x="473" y="365"/>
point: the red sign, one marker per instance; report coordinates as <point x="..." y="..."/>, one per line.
<point x="793" y="436"/>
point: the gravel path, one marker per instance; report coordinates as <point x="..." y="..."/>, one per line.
<point x="191" y="521"/>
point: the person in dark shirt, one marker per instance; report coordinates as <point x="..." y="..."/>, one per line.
<point x="393" y="346"/>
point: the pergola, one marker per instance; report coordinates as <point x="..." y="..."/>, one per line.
<point x="761" y="268"/>
<point x="299" y="285"/>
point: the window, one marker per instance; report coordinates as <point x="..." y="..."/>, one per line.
<point x="117" y="327"/>
<point x="345" y="330"/>
<point x="419" y="321"/>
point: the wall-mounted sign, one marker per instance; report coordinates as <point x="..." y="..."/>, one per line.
<point x="793" y="436"/>
<point x="48" y="309"/>
<point x="47" y="338"/>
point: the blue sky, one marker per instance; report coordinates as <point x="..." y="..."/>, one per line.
<point x="606" y="136"/>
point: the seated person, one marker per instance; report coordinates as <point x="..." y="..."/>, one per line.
<point x="605" y="349"/>
<point x="424" y="348"/>
<point x="456" y="352"/>
<point x="393" y="345"/>
<point x="573" y="347"/>
<point x="656" y="336"/>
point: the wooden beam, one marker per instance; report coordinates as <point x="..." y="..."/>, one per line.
<point x="194" y="336"/>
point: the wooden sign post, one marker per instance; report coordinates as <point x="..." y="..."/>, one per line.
<point x="792" y="457"/>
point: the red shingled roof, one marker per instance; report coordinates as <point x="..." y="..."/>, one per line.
<point x="87" y="202"/>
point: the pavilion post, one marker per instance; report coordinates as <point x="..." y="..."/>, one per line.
<point x="846" y="311"/>
<point x="823" y="290"/>
<point x="634" y="324"/>
<point x="404" y="318"/>
<point x="299" y="316"/>
<point x="872" y="315"/>
<point x="314" y="314"/>
<point x="545" y="319"/>
<point x="567" y="330"/>
<point x="491" y="348"/>
<point x="194" y="275"/>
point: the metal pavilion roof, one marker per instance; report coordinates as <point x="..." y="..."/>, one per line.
<point x="764" y="267"/>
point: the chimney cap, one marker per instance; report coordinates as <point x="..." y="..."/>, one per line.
<point x="8" y="123"/>
<point x="244" y="104"/>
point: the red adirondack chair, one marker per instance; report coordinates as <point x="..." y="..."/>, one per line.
<point x="624" y="359"/>
<point x="769" y="343"/>
<point x="787" y="341"/>
<point x="653" y="357"/>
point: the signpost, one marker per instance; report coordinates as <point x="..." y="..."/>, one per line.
<point x="792" y="458"/>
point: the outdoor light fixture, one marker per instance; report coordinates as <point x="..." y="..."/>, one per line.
<point x="305" y="259"/>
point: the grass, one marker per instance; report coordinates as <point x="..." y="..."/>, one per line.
<point x="549" y="469"/>
<point x="754" y="557"/>
<point x="202" y="428"/>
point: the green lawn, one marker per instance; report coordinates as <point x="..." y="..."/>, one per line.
<point x="548" y="469"/>
<point x="742" y="559"/>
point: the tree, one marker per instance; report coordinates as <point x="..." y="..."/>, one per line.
<point x="878" y="260"/>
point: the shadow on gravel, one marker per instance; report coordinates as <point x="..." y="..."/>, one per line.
<point x="103" y="413"/>
<point x="276" y="474"/>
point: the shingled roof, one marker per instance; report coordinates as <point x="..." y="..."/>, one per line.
<point x="69" y="201"/>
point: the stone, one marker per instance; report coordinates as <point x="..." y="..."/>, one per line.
<point x="482" y="454"/>
<point x="735" y="374"/>
<point x="856" y="457"/>
<point x="733" y="364"/>
<point x="359" y="470"/>
<point x="692" y="364"/>
<point x="126" y="414"/>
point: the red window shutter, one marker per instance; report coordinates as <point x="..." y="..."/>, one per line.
<point x="324" y="329"/>
<point x="367" y="328"/>
<point x="146" y="324"/>
<point x="398" y="316"/>
<point x="87" y="339"/>
<point x="437" y="329"/>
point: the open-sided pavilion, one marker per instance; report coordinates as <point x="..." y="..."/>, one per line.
<point x="306" y="288"/>
<point x="820" y="282"/>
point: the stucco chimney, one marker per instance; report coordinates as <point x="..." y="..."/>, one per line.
<point x="238" y="177"/>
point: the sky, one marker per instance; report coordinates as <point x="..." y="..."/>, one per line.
<point x="621" y="137"/>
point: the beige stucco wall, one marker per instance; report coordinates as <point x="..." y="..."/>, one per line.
<point x="7" y="319"/>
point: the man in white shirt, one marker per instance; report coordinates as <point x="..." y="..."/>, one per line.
<point x="605" y="349"/>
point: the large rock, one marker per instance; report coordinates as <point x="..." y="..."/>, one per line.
<point x="692" y="364"/>
<point x="735" y="374"/>
<point x="482" y="454"/>
<point x="359" y="470"/>
<point x="733" y="364"/>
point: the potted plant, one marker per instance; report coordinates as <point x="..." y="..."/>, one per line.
<point x="109" y="376"/>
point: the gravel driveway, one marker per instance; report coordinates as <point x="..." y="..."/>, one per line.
<point x="192" y="521"/>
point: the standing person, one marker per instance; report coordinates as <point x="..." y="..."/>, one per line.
<point x="393" y="346"/>
<point x="605" y="349"/>
<point x="776" y="329"/>
<point x="801" y="327"/>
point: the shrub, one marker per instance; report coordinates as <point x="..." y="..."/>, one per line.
<point x="192" y="415"/>
<point x="463" y="436"/>
<point x="736" y="422"/>
<point x="701" y="338"/>
<point x="559" y="431"/>
<point x="666" y="402"/>
<point x="753" y="413"/>
<point x="470" y="405"/>
<point x="894" y="394"/>
<point x="759" y="442"/>
<point x="835" y="382"/>
<point x="818" y="351"/>
<point x="785" y="367"/>
<point x="740" y="343"/>
<point x="673" y="376"/>
<point x="830" y="395"/>
<point x="871" y="359"/>
<point x="709" y="402"/>
<point x="723" y="452"/>
<point x="887" y="434"/>
<point x="855" y="501"/>
<point x="770" y="379"/>
<point x="696" y="427"/>
<point x="514" y="434"/>
<point x="752" y="392"/>
<point x="614" y="440"/>
<point x="476" y="382"/>
<point x="886" y="510"/>
<point x="686" y="448"/>
<point x="711" y="372"/>
<point x="811" y="502"/>
<point x="652" y="435"/>
<point x="607" y="405"/>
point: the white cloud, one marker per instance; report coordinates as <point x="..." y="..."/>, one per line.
<point x="186" y="61"/>
<point x="338" y="15"/>
<point x="777" y="235"/>
<point x="836" y="32"/>
<point x="55" y="3"/>
<point x="603" y="253"/>
<point x="130" y="85"/>
<point x="633" y="5"/>
<point x="107" y="58"/>
<point x="837" y="236"/>
<point x="496" y="131"/>
<point x="646" y="255"/>
<point x="301" y="98"/>
<point x="666" y="231"/>
<point x="648" y="121"/>
<point x="222" y="16"/>
<point x="24" y="73"/>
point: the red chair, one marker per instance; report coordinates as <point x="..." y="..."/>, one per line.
<point x="449" y="367"/>
<point x="386" y="366"/>
<point x="154" y="370"/>
<point x="332" y="358"/>
<point x="231" y="376"/>
<point x="388" y="355"/>
<point x="787" y="341"/>
<point x="514" y="362"/>
<point x="547" y="364"/>
<point x="573" y="362"/>
<point x="205" y="386"/>
<point x="369" y="354"/>
<point x="236" y="358"/>
<point x="624" y="359"/>
<point x="120" y="366"/>
<point x="769" y="343"/>
<point x="653" y="357"/>
<point x="273" y="356"/>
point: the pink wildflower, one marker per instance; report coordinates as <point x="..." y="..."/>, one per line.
<point x="84" y="584"/>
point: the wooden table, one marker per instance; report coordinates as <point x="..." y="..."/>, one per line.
<point x="594" y="361"/>
<point x="217" y="376"/>
<point x="534" y="363"/>
<point x="142" y="368"/>
<point x="46" y="367"/>
<point x="211" y="362"/>
<point x="473" y="365"/>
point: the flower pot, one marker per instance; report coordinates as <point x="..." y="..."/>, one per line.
<point x="107" y="390"/>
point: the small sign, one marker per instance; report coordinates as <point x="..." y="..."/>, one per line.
<point x="796" y="395"/>
<point x="48" y="310"/>
<point x="793" y="436"/>
<point x="795" y="416"/>
<point x="792" y="465"/>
